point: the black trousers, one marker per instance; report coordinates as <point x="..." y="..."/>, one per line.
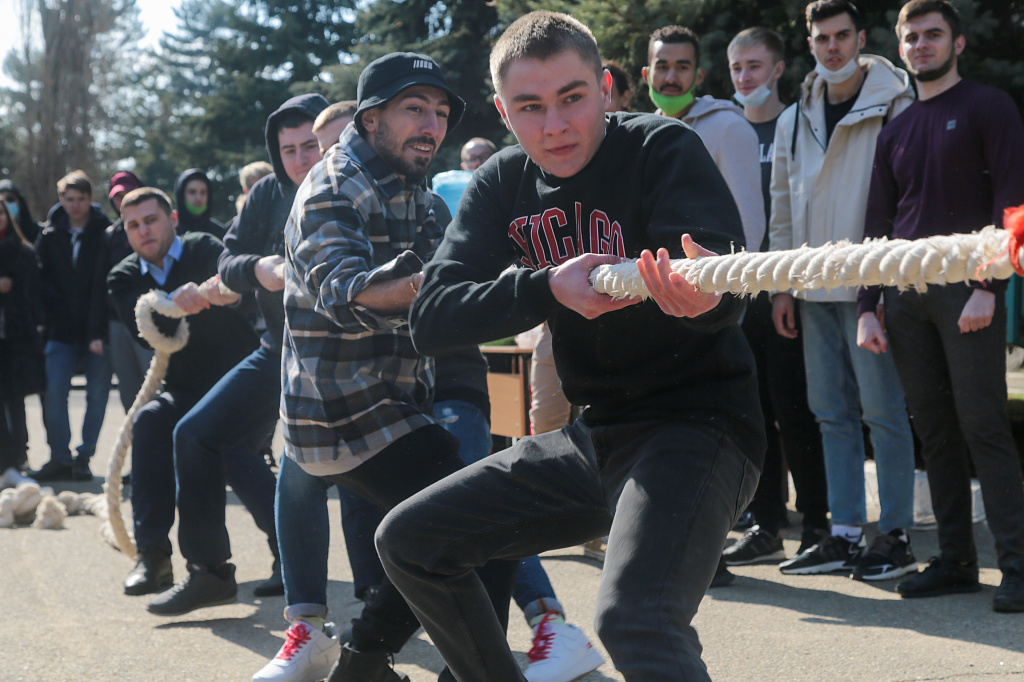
<point x="789" y="424"/>
<point x="956" y="393"/>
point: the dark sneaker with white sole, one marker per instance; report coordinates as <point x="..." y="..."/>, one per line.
<point x="834" y="553"/>
<point x="941" y="577"/>
<point x="755" y="546"/>
<point x="889" y="556"/>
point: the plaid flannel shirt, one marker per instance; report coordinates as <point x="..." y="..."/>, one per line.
<point x="351" y="381"/>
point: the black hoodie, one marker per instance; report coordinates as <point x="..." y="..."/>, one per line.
<point x="74" y="293"/>
<point x="195" y="223"/>
<point x="259" y="230"/>
<point x="29" y="228"/>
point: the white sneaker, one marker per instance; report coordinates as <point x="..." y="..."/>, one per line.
<point x="306" y="656"/>
<point x="560" y="652"/>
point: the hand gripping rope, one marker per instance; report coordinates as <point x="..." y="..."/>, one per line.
<point x="989" y="254"/>
<point x="114" y="530"/>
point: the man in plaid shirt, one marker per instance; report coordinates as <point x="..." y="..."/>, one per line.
<point x="356" y="396"/>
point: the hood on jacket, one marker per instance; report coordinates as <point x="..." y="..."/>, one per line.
<point x="179" y="192"/>
<point x="57" y="218"/>
<point x="28" y="227"/>
<point x="309" y="105"/>
<point x="706" y="104"/>
<point x="883" y="82"/>
<point x="122" y="181"/>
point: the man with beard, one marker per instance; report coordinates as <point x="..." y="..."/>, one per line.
<point x="949" y="164"/>
<point x="356" y="396"/>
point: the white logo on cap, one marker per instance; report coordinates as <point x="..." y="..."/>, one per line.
<point x="422" y="64"/>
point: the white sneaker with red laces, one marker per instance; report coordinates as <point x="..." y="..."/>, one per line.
<point x="306" y="656"/>
<point x="560" y="652"/>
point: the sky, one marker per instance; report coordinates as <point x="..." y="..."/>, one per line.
<point x="156" y="15"/>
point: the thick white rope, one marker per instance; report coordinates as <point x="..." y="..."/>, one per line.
<point x="113" y="529"/>
<point x="900" y="263"/>
<point x="28" y="503"/>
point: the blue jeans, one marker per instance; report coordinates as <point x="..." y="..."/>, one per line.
<point x="666" y="493"/>
<point x="845" y="384"/>
<point x="532" y="591"/>
<point x="304" y="535"/>
<point x="223" y="435"/>
<point x="61" y="362"/>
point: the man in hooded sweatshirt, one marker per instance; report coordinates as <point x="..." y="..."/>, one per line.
<point x="193" y="195"/>
<point x="252" y="260"/>
<point x="72" y="255"/>
<point x="672" y="75"/>
<point x="824" y="150"/>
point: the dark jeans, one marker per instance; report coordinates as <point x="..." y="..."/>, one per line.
<point x="399" y="472"/>
<point x="956" y="392"/>
<point x="225" y="432"/>
<point x="789" y="424"/>
<point x="676" y="489"/>
<point x="153" y="480"/>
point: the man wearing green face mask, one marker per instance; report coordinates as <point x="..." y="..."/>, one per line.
<point x="672" y="75"/>
<point x="192" y="196"/>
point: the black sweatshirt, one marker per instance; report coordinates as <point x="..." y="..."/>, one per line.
<point x="650" y="181"/>
<point x="218" y="338"/>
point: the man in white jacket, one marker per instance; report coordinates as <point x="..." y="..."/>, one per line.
<point x="824" y="148"/>
<point x="672" y="76"/>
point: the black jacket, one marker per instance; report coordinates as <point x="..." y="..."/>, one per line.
<point x="259" y="230"/>
<point x="218" y="338"/>
<point x="74" y="296"/>
<point x="195" y="223"/>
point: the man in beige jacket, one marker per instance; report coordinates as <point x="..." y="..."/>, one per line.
<point x="824" y="148"/>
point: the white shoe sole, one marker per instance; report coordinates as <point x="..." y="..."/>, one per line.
<point x="764" y="558"/>
<point x="830" y="567"/>
<point x="888" y="575"/>
<point x="592" y="661"/>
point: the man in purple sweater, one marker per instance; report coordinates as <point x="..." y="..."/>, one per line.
<point x="948" y="165"/>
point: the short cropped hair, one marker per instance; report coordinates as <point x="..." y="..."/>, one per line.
<point x="253" y="172"/>
<point x="918" y="8"/>
<point x="293" y="118"/>
<point x="755" y="37"/>
<point x="143" y="194"/>
<point x="76" y="180"/>
<point x="334" y="112"/>
<point x="620" y="77"/>
<point x="674" y="34"/>
<point x="826" y="9"/>
<point x="541" y="35"/>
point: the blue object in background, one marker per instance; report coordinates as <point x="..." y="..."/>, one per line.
<point x="450" y="185"/>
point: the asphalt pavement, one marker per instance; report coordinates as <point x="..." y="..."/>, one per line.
<point x="65" y="618"/>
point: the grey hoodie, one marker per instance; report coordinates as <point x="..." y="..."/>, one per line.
<point x="733" y="145"/>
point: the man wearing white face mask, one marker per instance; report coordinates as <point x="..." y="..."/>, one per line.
<point x="755" y="66"/>
<point x="672" y="76"/>
<point x="824" y="150"/>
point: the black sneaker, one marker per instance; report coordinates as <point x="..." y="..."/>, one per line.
<point x="200" y="589"/>
<point x="722" y="575"/>
<point x="272" y="586"/>
<point x="745" y="521"/>
<point x="811" y="537"/>
<point x="80" y="470"/>
<point x="369" y="666"/>
<point x="755" y="545"/>
<point x="52" y="471"/>
<point x="834" y="553"/>
<point x="941" y="577"/>
<point x="1009" y="596"/>
<point x="889" y="556"/>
